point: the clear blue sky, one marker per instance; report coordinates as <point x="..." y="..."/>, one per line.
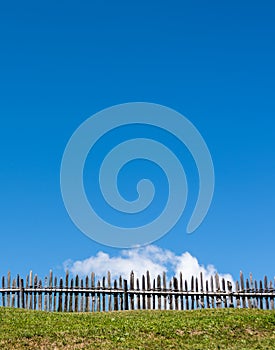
<point x="62" y="61"/>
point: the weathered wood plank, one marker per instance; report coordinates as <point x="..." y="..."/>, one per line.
<point x="148" y="290"/>
<point x="115" y="296"/>
<point x="224" y="291"/>
<point x="76" y="306"/>
<point x="176" y="289"/>
<point x="218" y="290"/>
<point x="60" y="294"/>
<point x="71" y="296"/>
<point x="109" y="296"/>
<point x="87" y="295"/>
<point x="121" y="294"/>
<point x="202" y="291"/>
<point x="40" y="295"/>
<point x="66" y="306"/>
<point x="238" y="300"/>
<point x="8" y="294"/>
<point x="35" y="285"/>
<point x="103" y="295"/>
<point x="143" y="295"/>
<point x="159" y="289"/>
<point x="93" y="293"/>
<point x="170" y="296"/>
<point x="81" y="295"/>
<point x="207" y="295"/>
<point x="192" y="296"/>
<point x="98" y="295"/>
<point x="31" y="294"/>
<point x="229" y="287"/>
<point x="50" y="295"/>
<point x="186" y="297"/>
<point x="132" y="286"/>
<point x="164" y="289"/>
<point x="181" y="290"/>
<point x="242" y="289"/>
<point x="266" y="290"/>
<point x="126" y="302"/>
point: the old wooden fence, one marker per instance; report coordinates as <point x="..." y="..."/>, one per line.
<point x="90" y="295"/>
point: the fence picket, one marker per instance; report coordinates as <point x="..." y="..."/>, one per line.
<point x="9" y="285"/>
<point x="164" y="289"/>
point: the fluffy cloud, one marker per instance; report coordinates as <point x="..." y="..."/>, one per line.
<point x="151" y="258"/>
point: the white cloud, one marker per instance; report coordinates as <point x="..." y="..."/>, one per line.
<point x="151" y="258"/>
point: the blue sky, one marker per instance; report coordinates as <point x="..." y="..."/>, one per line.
<point x="212" y="61"/>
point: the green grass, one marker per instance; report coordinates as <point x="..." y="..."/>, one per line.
<point x="201" y="329"/>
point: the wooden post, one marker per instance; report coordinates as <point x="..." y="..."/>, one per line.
<point x="242" y="289"/>
<point x="76" y="294"/>
<point x="153" y="296"/>
<point x="54" y="294"/>
<point x="98" y="306"/>
<point x="248" y="291"/>
<point x="121" y="294"/>
<point x="50" y="294"/>
<point x="148" y="290"/>
<point x="8" y="294"/>
<point x="93" y="293"/>
<point x="254" y="302"/>
<point x="218" y="290"/>
<point x="271" y="298"/>
<point x="224" y="291"/>
<point x="87" y="295"/>
<point x="186" y="297"/>
<point x="164" y="289"/>
<point x="115" y="296"/>
<point x="192" y="295"/>
<point x="202" y="292"/>
<point x="31" y="293"/>
<point x="109" y="296"/>
<point x="207" y="295"/>
<point x="126" y="304"/>
<point x="81" y="295"/>
<point x="159" y="290"/>
<point x="138" y="295"/>
<point x="229" y="287"/>
<point x="71" y="296"/>
<point x="35" y="292"/>
<point x="46" y="295"/>
<point x="103" y="294"/>
<point x="3" y="293"/>
<point x="266" y="291"/>
<point x="143" y="294"/>
<point x="22" y="294"/>
<point x="238" y="301"/>
<point x="40" y="295"/>
<point x="132" y="282"/>
<point x="181" y="290"/>
<point x="212" y="291"/>
<point x="59" y="309"/>
<point x="261" y="298"/>
<point x="176" y="289"/>
<point x="197" y="291"/>
<point x="66" y="292"/>
<point x="13" y="293"/>
<point x="27" y="293"/>
<point x="170" y="296"/>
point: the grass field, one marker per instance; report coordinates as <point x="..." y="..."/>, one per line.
<point x="201" y="329"/>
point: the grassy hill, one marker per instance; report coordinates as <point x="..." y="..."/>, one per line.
<point x="199" y="329"/>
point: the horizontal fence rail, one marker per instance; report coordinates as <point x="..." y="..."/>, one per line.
<point x="90" y="295"/>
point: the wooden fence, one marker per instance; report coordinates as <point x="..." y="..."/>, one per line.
<point x="90" y="295"/>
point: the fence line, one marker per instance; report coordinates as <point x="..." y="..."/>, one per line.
<point x="90" y="295"/>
